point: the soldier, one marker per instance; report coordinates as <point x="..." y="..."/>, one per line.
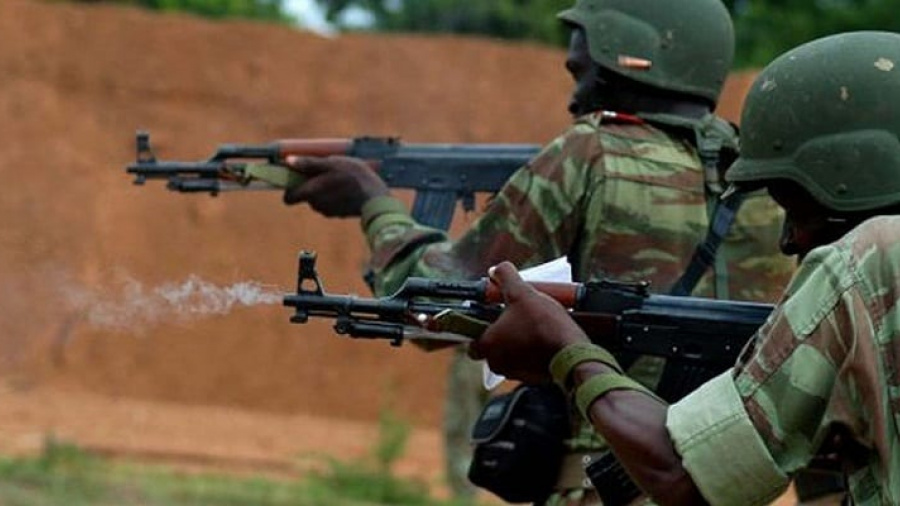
<point x="820" y="378"/>
<point x="627" y="191"/>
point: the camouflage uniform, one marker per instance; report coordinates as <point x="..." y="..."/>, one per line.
<point x="822" y="133"/>
<point x="825" y="368"/>
<point x="625" y="200"/>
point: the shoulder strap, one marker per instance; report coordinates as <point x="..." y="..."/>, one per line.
<point x="705" y="252"/>
<point x="714" y="136"/>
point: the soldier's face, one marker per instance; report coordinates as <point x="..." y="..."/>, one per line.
<point x="807" y="224"/>
<point x="586" y="74"/>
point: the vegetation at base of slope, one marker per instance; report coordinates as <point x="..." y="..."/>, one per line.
<point x="64" y="474"/>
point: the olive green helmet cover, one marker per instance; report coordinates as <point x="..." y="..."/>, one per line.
<point x="687" y="44"/>
<point x="826" y="115"/>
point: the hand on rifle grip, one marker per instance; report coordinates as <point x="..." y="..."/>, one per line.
<point x="336" y="186"/>
<point x="532" y="328"/>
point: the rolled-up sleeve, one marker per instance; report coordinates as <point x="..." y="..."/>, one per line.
<point x="721" y="449"/>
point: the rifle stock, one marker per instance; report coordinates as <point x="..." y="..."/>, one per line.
<point x="698" y="337"/>
<point x="440" y="174"/>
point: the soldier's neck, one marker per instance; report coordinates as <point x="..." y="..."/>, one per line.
<point x="678" y="108"/>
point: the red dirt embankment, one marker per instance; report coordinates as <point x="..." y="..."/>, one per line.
<point x="78" y="80"/>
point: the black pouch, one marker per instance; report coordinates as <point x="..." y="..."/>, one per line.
<point x="518" y="441"/>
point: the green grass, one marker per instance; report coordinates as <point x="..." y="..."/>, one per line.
<point x="64" y="474"/>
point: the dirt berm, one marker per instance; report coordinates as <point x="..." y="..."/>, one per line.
<point x="79" y="80"/>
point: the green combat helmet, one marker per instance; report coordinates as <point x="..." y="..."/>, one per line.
<point x="684" y="46"/>
<point x="826" y="115"/>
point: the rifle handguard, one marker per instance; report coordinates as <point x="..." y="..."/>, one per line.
<point x="458" y="323"/>
<point x="600" y="385"/>
<point x="566" y="359"/>
<point x="276" y="175"/>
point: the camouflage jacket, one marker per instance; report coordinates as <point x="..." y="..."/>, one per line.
<point x="821" y="377"/>
<point x="621" y="200"/>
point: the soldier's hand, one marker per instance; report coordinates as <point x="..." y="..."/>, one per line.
<point x="532" y="328"/>
<point x="336" y="186"/>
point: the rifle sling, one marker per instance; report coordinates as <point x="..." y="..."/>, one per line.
<point x="705" y="252"/>
<point x="677" y="378"/>
<point x="711" y="137"/>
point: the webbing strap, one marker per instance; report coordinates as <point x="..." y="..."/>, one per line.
<point x="601" y="384"/>
<point x="566" y="359"/>
<point x="712" y="137"/>
<point x="710" y="143"/>
<point x="705" y="252"/>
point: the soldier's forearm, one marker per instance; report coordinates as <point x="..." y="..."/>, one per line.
<point x="633" y="423"/>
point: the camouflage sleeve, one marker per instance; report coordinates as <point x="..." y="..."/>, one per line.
<point x="534" y="218"/>
<point x="715" y="420"/>
<point x="712" y="424"/>
<point x="396" y="242"/>
<point x="818" y="364"/>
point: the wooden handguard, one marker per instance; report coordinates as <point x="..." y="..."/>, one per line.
<point x="564" y="293"/>
<point x="314" y="147"/>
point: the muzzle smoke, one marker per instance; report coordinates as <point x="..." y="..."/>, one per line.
<point x="129" y="305"/>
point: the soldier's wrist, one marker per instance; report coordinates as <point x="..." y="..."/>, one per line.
<point x="595" y="385"/>
<point x="566" y="360"/>
<point x="379" y="207"/>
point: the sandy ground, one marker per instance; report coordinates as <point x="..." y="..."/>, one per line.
<point x="205" y="438"/>
<point x="201" y="437"/>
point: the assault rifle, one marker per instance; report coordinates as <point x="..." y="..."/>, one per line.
<point x="699" y="337"/>
<point x="440" y="174"/>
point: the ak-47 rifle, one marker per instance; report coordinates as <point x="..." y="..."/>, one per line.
<point x="699" y="337"/>
<point x="440" y="174"/>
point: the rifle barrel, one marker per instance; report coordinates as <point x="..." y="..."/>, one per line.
<point x="442" y="175"/>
